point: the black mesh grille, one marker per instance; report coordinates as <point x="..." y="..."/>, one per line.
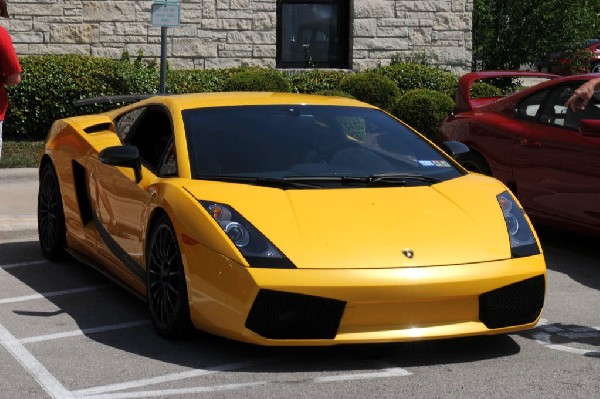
<point x="515" y="304"/>
<point x="283" y="315"/>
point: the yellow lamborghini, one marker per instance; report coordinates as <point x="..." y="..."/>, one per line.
<point x="288" y="219"/>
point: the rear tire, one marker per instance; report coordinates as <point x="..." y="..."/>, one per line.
<point x="595" y="68"/>
<point x="166" y="288"/>
<point x="474" y="162"/>
<point x="52" y="232"/>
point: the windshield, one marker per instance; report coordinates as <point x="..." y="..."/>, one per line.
<point x="324" y="145"/>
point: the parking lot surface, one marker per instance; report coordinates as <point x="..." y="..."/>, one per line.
<point x="68" y="332"/>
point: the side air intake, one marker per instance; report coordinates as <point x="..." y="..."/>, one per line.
<point x="283" y="315"/>
<point x="515" y="304"/>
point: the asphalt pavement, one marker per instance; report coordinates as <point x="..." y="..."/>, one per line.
<point x="18" y="204"/>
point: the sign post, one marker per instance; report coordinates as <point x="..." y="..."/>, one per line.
<point x="164" y="13"/>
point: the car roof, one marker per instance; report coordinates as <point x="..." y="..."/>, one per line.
<point x="221" y="99"/>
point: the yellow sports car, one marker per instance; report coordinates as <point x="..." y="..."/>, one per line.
<point x="288" y="219"/>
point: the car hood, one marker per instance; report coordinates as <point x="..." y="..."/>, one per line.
<point x="454" y="222"/>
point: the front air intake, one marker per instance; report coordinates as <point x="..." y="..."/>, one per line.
<point x="284" y="315"/>
<point x="512" y="305"/>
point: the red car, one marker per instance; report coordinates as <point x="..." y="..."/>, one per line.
<point x="547" y="154"/>
<point x="560" y="63"/>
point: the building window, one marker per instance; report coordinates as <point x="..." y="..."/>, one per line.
<point x="313" y="33"/>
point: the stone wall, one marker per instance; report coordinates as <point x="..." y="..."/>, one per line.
<point x="226" y="33"/>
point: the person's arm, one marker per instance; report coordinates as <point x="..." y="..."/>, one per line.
<point x="582" y="95"/>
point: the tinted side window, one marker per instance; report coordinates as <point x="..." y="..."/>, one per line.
<point x="529" y="108"/>
<point x="556" y="113"/>
<point x="150" y="130"/>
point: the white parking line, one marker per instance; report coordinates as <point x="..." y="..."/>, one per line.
<point x="181" y="391"/>
<point x="86" y="331"/>
<point x="53" y="294"/>
<point x="166" y="378"/>
<point x="90" y="394"/>
<point x="51" y="385"/>
<point x="21" y="264"/>
<point x="46" y="380"/>
<point x="386" y="373"/>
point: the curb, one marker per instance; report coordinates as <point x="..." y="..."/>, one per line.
<point x="10" y="175"/>
<point x="21" y="223"/>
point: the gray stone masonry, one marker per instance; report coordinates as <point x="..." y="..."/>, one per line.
<point x="226" y="33"/>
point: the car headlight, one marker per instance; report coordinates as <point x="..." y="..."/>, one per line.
<point x="254" y="246"/>
<point x="522" y="240"/>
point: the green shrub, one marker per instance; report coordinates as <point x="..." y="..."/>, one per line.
<point x="424" y="110"/>
<point x="257" y="79"/>
<point x="50" y="84"/>
<point x="335" y="93"/>
<point x="482" y="89"/>
<point x="196" y="80"/>
<point x="409" y="76"/>
<point x="371" y="88"/>
<point x="314" y="80"/>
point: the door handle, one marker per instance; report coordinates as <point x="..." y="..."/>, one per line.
<point x="529" y="143"/>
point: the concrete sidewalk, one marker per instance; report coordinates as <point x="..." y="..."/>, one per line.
<point x="18" y="204"/>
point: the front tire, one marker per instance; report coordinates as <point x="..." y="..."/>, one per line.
<point x="474" y="162"/>
<point x="595" y="68"/>
<point x="52" y="232"/>
<point x="166" y="288"/>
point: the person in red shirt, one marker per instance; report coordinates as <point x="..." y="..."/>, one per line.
<point x="10" y="68"/>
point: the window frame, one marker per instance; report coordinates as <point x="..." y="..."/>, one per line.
<point x="344" y="35"/>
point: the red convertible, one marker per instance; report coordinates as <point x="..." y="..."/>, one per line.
<point x="547" y="154"/>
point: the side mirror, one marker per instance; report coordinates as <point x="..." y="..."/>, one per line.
<point x="590" y="127"/>
<point x="126" y="156"/>
<point x="454" y="148"/>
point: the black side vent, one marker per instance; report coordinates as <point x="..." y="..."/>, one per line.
<point x="515" y="304"/>
<point x="97" y="128"/>
<point x="83" y="199"/>
<point x="283" y="315"/>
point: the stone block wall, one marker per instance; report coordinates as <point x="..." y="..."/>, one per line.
<point x="226" y="33"/>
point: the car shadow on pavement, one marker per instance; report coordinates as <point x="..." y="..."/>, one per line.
<point x="561" y="247"/>
<point x="90" y="311"/>
<point x="571" y="338"/>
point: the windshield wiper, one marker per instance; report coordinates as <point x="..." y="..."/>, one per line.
<point x="261" y="181"/>
<point x="383" y="178"/>
<point x="399" y="177"/>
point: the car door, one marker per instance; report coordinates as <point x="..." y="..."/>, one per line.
<point x="121" y="202"/>
<point x="556" y="168"/>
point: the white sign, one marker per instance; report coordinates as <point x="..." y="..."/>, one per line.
<point x="165" y="13"/>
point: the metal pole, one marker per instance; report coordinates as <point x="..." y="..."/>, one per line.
<point x="163" y="60"/>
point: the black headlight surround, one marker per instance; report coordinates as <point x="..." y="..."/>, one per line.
<point x="255" y="251"/>
<point x="522" y="240"/>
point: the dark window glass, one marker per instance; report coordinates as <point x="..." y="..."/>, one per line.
<point x="282" y="141"/>
<point x="313" y="34"/>
<point x="150" y="130"/>
<point x="529" y="108"/>
<point x="556" y="113"/>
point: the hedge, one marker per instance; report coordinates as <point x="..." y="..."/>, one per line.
<point x="51" y="83"/>
<point x="315" y="80"/>
<point x="424" y="110"/>
<point x="409" y="76"/>
<point x="371" y="88"/>
<point x="257" y="79"/>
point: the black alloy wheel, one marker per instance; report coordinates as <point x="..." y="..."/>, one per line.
<point x="50" y="214"/>
<point x="166" y="288"/>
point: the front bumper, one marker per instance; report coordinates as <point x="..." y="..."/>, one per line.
<point x="328" y="307"/>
